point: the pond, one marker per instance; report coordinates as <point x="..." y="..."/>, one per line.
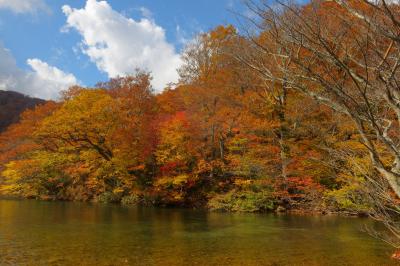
<point x="65" y="233"/>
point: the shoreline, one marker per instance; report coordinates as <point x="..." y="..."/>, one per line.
<point x="277" y="211"/>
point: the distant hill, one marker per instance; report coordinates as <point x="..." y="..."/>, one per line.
<point x="12" y="104"/>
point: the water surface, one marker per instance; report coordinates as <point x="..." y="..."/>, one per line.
<point x="62" y="233"/>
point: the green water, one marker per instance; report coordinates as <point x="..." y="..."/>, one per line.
<point x="58" y="233"/>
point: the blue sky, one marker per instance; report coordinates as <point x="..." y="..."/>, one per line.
<point x="47" y="42"/>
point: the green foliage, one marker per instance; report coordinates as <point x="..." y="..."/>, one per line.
<point x="242" y="201"/>
<point x="108" y="197"/>
<point x="348" y="198"/>
<point x="130" y="200"/>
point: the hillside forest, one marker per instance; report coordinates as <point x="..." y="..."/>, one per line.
<point x="12" y="104"/>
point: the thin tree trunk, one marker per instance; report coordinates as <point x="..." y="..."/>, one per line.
<point x="221" y="148"/>
<point x="283" y="132"/>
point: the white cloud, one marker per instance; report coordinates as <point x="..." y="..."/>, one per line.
<point x="49" y="80"/>
<point x="118" y="45"/>
<point x="44" y="81"/>
<point x="146" y="12"/>
<point x="24" y="6"/>
<point x="181" y="36"/>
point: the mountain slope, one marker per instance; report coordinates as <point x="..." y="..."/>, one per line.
<point x="12" y="104"/>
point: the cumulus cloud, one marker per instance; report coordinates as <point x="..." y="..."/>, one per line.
<point x="43" y="81"/>
<point x="48" y="80"/>
<point x="118" y="45"/>
<point x="24" y="6"/>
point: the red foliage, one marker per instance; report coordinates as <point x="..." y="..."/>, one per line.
<point x="170" y="168"/>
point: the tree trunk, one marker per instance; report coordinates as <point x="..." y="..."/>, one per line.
<point x="283" y="132"/>
<point x="221" y="148"/>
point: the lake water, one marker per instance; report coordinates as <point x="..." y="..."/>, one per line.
<point x="62" y="233"/>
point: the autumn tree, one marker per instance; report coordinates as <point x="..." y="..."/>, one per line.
<point x="85" y="123"/>
<point x="17" y="145"/>
<point x="98" y="140"/>
<point x="346" y="62"/>
<point x="211" y="89"/>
